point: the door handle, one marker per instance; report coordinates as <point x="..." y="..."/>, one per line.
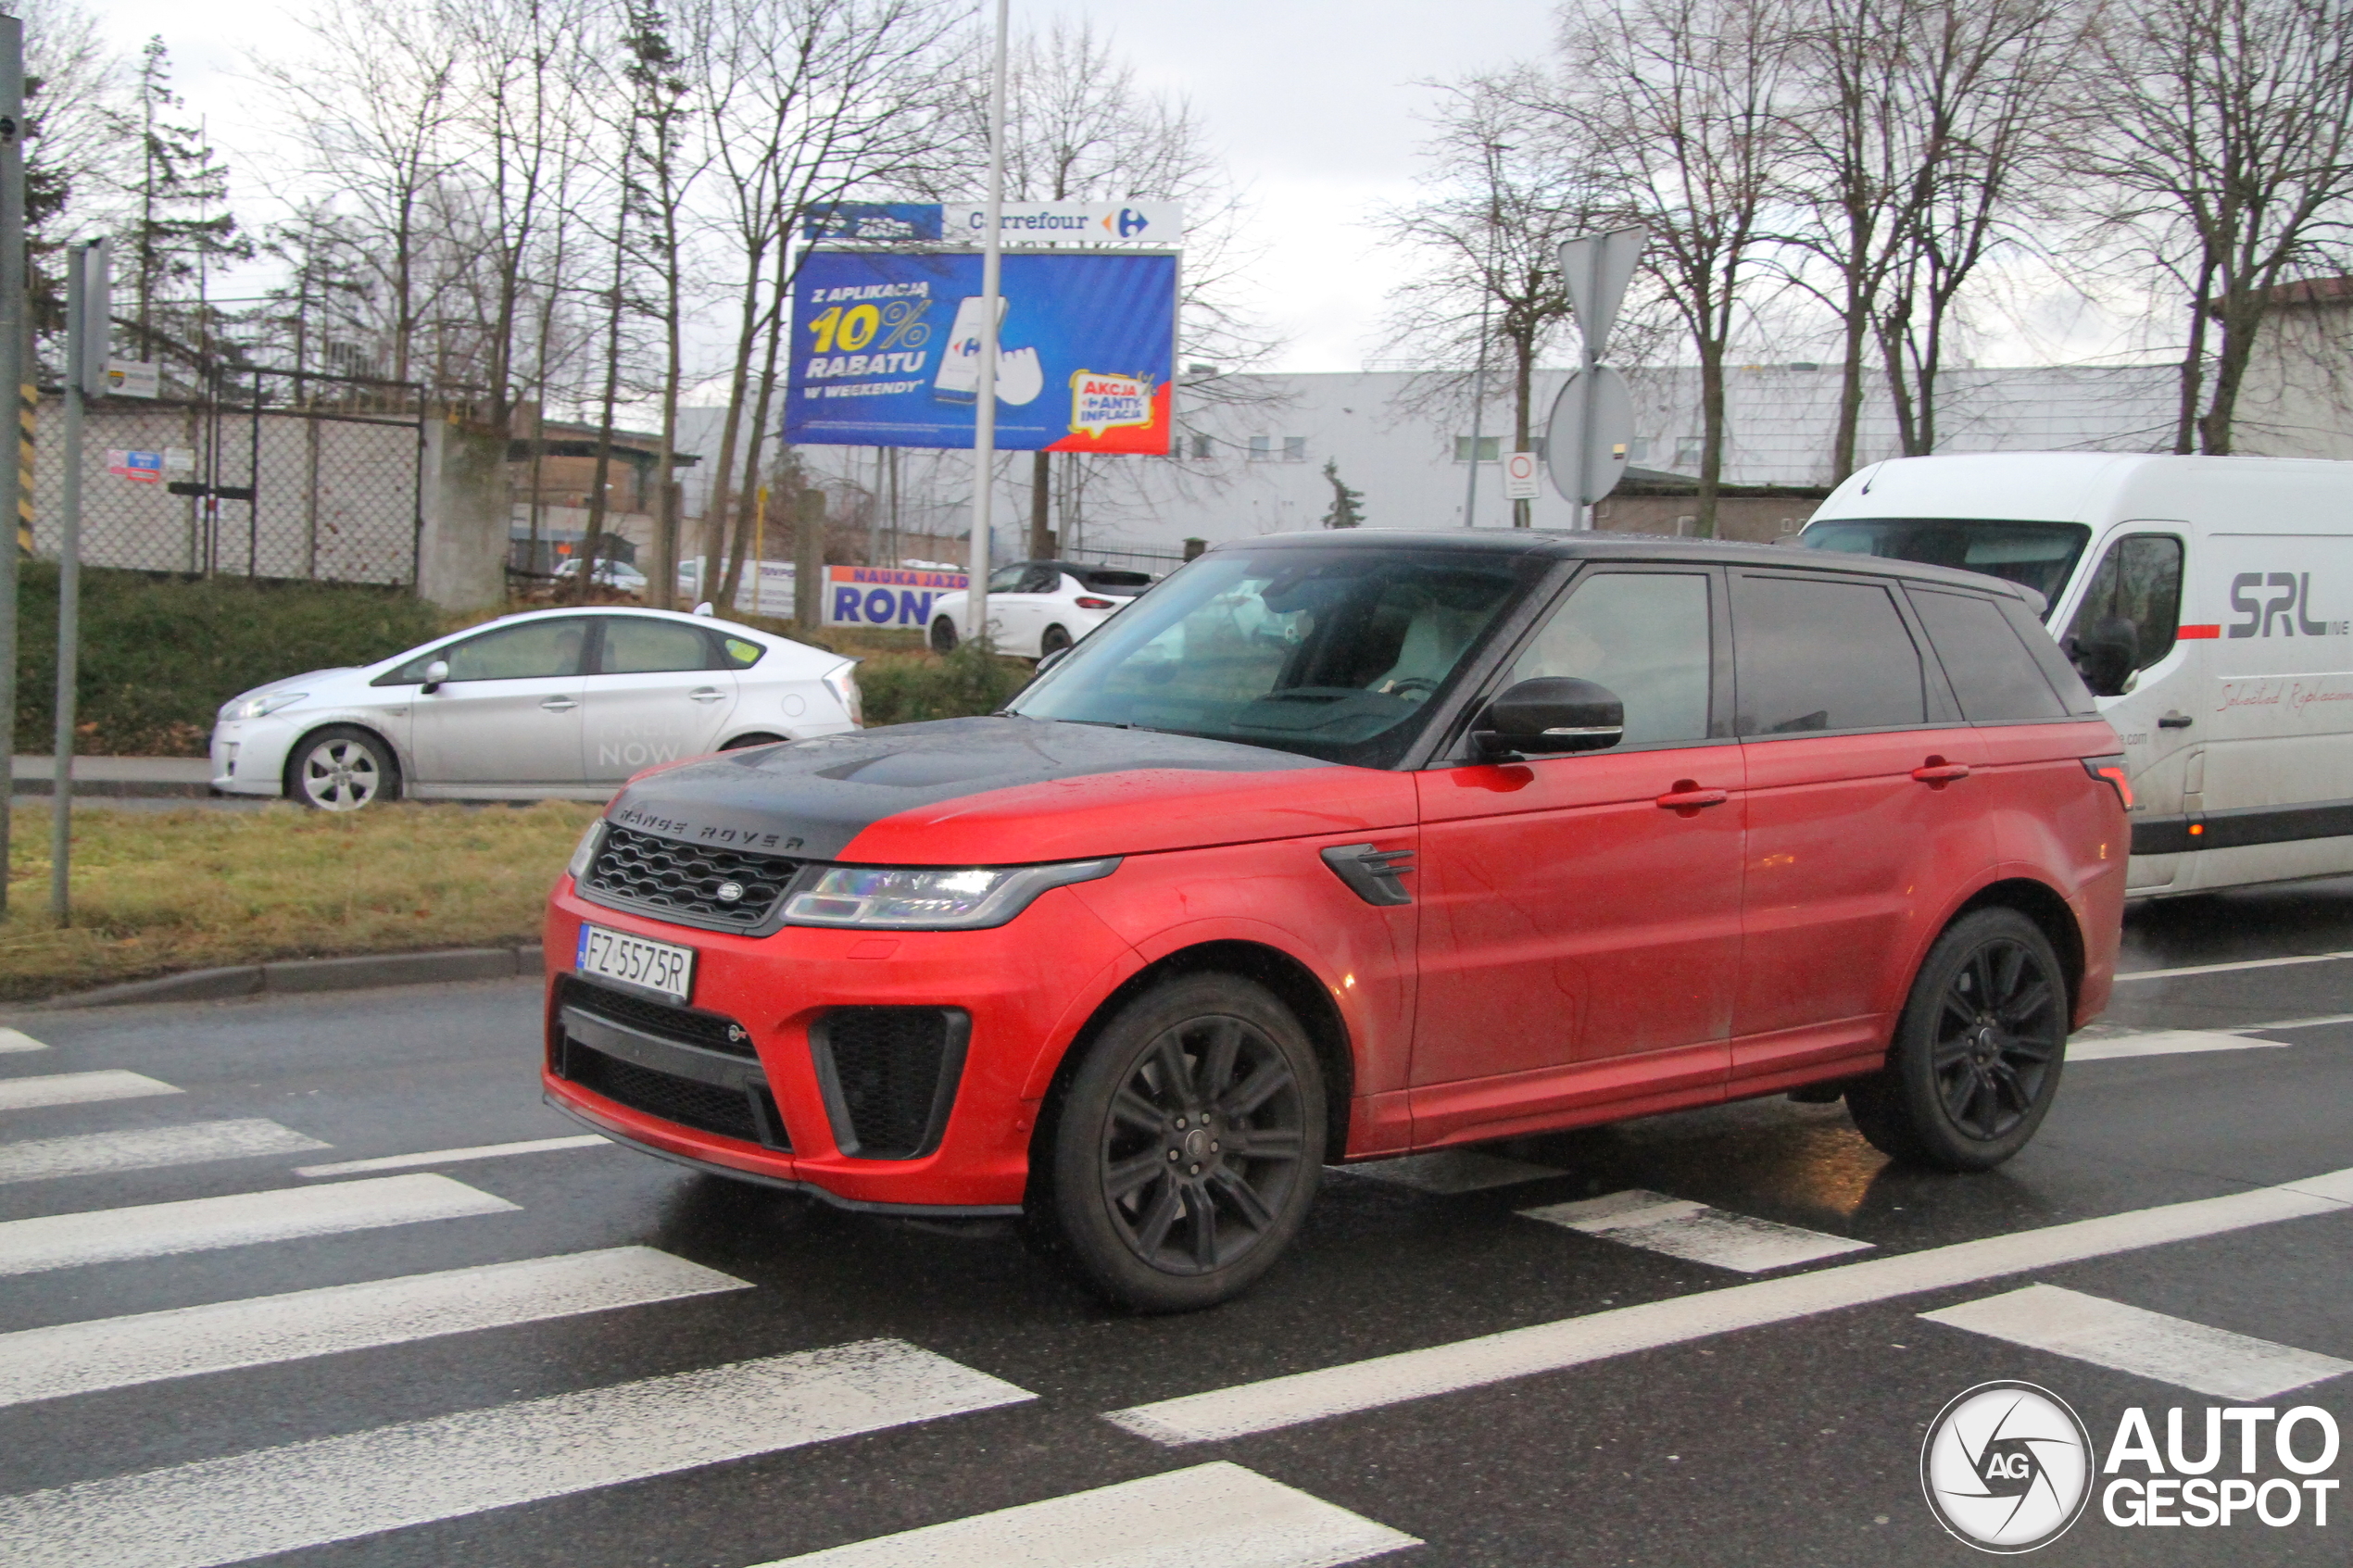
<point x="1937" y="772"/>
<point x="1687" y="799"/>
<point x="2174" y="721"/>
<point x="559" y="705"/>
<point x="706" y="693"/>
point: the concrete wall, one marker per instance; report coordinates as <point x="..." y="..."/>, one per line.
<point x="463" y="562"/>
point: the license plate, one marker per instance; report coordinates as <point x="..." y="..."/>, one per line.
<point x="632" y="961"/>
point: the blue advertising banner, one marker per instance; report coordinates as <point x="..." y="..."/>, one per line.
<point x="886" y="351"/>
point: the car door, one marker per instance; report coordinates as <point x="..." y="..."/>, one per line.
<point x="1580" y="914"/>
<point x="1862" y="816"/>
<point x="508" y="716"/>
<point x="660" y="691"/>
<point x="1021" y="613"/>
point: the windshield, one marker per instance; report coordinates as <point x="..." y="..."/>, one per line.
<point x="1339" y="654"/>
<point x="2039" y="554"/>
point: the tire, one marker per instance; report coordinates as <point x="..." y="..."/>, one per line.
<point x="1145" y="1188"/>
<point x="342" y="767"/>
<point x="1052" y="640"/>
<point x="943" y="635"/>
<point x="743" y="743"/>
<point x="1978" y="1051"/>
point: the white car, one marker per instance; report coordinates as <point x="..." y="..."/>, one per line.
<point x="1039" y="607"/>
<point x="562" y="704"/>
<point x="609" y="573"/>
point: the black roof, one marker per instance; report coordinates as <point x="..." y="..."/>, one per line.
<point x="1602" y="545"/>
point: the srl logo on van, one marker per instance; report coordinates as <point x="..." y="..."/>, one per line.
<point x="2291" y="608"/>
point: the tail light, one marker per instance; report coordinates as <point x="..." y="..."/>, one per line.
<point x="2111" y="769"/>
<point x="1094" y="604"/>
<point x="842" y="681"/>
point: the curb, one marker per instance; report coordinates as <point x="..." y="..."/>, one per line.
<point x="297" y="975"/>
<point x="116" y="789"/>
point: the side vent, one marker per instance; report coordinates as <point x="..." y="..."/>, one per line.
<point x="1374" y="875"/>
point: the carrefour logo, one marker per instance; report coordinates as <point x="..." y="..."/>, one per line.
<point x="1132" y="223"/>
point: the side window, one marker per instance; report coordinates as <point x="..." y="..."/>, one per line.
<point x="1041" y="580"/>
<point x="2130" y="614"/>
<point x="634" y="647"/>
<point x="1642" y="635"/>
<point x="1007" y="579"/>
<point x="741" y="653"/>
<point x="1818" y="653"/>
<point x="1993" y="673"/>
<point x="540" y="649"/>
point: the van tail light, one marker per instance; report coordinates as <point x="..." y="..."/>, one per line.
<point x="2112" y="770"/>
<point x="1094" y="604"/>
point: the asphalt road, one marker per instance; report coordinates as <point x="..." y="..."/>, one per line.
<point x="652" y="1367"/>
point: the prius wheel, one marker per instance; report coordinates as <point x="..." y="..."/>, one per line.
<point x="1186" y="1147"/>
<point x="343" y="768"/>
<point x="943" y="635"/>
<point x="1976" y="1060"/>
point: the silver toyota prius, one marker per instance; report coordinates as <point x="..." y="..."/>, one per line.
<point x="557" y="703"/>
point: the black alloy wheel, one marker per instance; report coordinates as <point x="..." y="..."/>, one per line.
<point x="943" y="635"/>
<point x="1187" y="1144"/>
<point x="1977" y="1053"/>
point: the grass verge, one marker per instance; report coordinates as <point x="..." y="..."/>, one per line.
<point x="158" y="892"/>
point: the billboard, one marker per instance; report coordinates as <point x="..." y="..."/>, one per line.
<point x="885" y="350"/>
<point x="885" y="595"/>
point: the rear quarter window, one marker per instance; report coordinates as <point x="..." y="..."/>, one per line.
<point x="1993" y="675"/>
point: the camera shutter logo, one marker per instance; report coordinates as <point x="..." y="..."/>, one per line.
<point x="2007" y="1467"/>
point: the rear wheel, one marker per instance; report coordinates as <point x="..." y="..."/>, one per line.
<point x="943" y="635"/>
<point x="1053" y="640"/>
<point x="1976" y="1060"/>
<point x="1186" y="1148"/>
<point x="342" y="767"/>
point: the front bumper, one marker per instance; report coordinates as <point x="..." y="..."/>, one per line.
<point x="1024" y="990"/>
<point x="249" y="755"/>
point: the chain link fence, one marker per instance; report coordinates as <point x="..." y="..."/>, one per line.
<point x="245" y="473"/>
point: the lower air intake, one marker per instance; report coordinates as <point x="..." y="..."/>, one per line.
<point x="889" y="1075"/>
<point x="732" y="1113"/>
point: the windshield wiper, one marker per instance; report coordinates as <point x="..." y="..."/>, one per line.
<point x="1111" y="724"/>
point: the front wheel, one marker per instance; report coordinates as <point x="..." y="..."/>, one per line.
<point x="943" y="635"/>
<point x="1976" y="1059"/>
<point x="343" y="768"/>
<point x="1186" y="1147"/>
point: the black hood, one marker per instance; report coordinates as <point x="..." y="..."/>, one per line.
<point x="812" y="798"/>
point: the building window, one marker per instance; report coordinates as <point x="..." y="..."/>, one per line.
<point x="1687" y="452"/>
<point x="1262" y="448"/>
<point x="1201" y="447"/>
<point x="1491" y="448"/>
<point x="1294" y="448"/>
<point x="1639" y="450"/>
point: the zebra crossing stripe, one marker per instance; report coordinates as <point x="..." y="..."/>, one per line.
<point x="1277" y="1402"/>
<point x="333" y="1488"/>
<point x="146" y="1148"/>
<point x="198" y="1224"/>
<point x="80" y="1357"/>
<point x="17" y="1040"/>
<point x="1219" y="1513"/>
<point x="2163" y="1042"/>
<point x="78" y="1088"/>
<point x="454" y="1156"/>
<point x="2121" y="1338"/>
<point x="1695" y="1231"/>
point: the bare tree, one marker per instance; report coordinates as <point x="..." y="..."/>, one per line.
<point x="1684" y="107"/>
<point x="2229" y="140"/>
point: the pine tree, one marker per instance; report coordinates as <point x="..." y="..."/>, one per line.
<point x="179" y="185"/>
<point x="1345" y="512"/>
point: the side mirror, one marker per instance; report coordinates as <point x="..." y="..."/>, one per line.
<point x="435" y="673"/>
<point x="1549" y="714"/>
<point x="2106" y="655"/>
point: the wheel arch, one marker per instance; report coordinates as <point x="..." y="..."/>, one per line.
<point x="403" y="772"/>
<point x="2049" y="910"/>
<point x="1293" y="984"/>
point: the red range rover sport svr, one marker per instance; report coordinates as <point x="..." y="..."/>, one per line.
<point x="1339" y="846"/>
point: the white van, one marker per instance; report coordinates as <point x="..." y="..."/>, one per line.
<point x="2209" y="604"/>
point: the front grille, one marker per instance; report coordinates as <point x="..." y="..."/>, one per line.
<point x="682" y="882"/>
<point x="708" y="1029"/>
<point x="706" y="1107"/>
<point x="889" y="1075"/>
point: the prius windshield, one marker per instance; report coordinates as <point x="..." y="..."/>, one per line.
<point x="1339" y="654"/>
<point x="2039" y="554"/>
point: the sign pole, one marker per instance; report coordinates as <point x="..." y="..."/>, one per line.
<point x="78" y="353"/>
<point x="992" y="256"/>
<point x="1589" y="359"/>
<point x="12" y="346"/>
<point x="1478" y="408"/>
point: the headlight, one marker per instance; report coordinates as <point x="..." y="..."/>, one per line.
<point x="256" y="706"/>
<point x="842" y="681"/>
<point x="584" y="854"/>
<point x="964" y="899"/>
